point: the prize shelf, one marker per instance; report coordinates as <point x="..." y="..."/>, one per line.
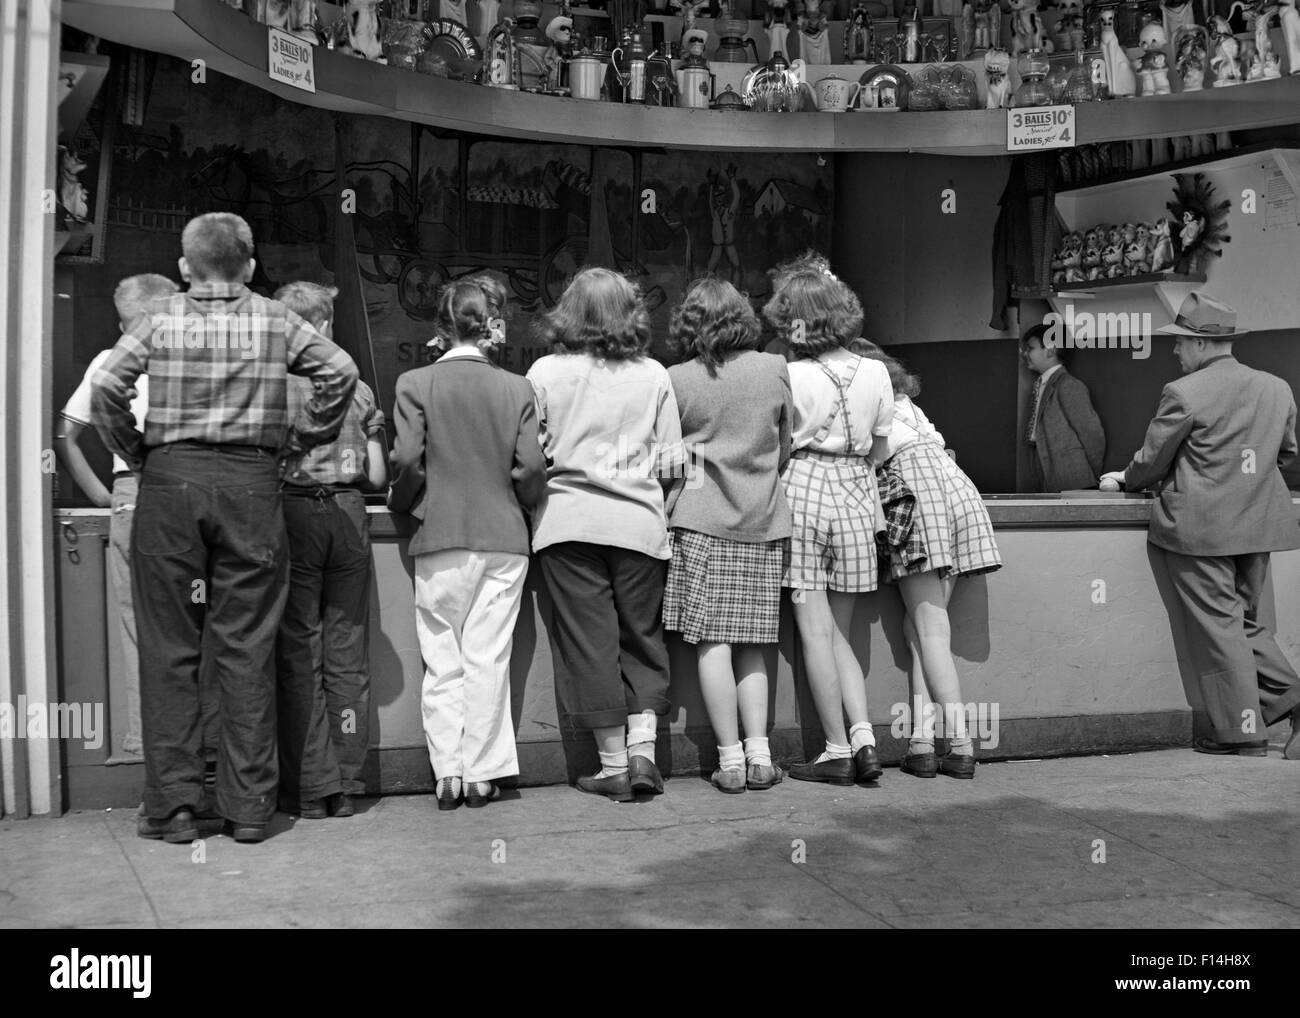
<point x="233" y="44"/>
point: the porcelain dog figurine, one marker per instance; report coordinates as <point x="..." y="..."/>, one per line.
<point x="1027" y="29"/>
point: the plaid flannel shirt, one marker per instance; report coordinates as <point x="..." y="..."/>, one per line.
<point x="217" y="358"/>
<point x="899" y="539"/>
<point x="343" y="461"/>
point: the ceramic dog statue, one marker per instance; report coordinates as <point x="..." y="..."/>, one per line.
<point x="1027" y="29"/>
<point x="996" y="64"/>
<point x="1162" y="247"/>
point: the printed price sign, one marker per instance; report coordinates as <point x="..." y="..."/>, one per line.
<point x="290" y="61"/>
<point x="1040" y="127"/>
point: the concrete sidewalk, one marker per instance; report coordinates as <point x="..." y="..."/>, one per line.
<point x="1188" y="841"/>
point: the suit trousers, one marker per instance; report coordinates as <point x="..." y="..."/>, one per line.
<point x="209" y="573"/>
<point x="321" y="653"/>
<point x="466" y="604"/>
<point x="1237" y="672"/>
<point x="606" y="630"/>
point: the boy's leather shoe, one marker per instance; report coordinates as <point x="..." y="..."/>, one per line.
<point x="1292" y="749"/>
<point x="249" y="833"/>
<point x="957" y="766"/>
<point x="448" y="799"/>
<point x="341" y="805"/>
<point x="833" y="772"/>
<point x="730" y="781"/>
<point x="475" y="798"/>
<point x="618" y="787"/>
<point x="313" y="809"/>
<point x="1253" y="748"/>
<point x="920" y="765"/>
<point x="177" y="829"/>
<point x="644" y="776"/>
<point x="866" y="765"/>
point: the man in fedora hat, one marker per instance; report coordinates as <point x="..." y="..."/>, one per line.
<point x="1213" y="454"/>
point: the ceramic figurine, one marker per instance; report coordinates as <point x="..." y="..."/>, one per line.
<point x="857" y="36"/>
<point x="360" y="31"/>
<point x="1192" y="226"/>
<point x="1069" y="26"/>
<point x="1290" y="18"/>
<point x="1162" y="247"/>
<point x="1153" y="37"/>
<point x="1027" y="29"/>
<point x="1113" y="260"/>
<point x="814" y="37"/>
<point x="1174" y="16"/>
<point x="1092" y="255"/>
<point x="776" y="26"/>
<point x="1119" y="74"/>
<point x="997" y="62"/>
<point x="72" y="192"/>
<point x="1263" y="44"/>
<point x="1224" y="63"/>
<point x="1135" y="260"/>
<point x="560" y="31"/>
<point x="1272" y="66"/>
<point x="1154" y="73"/>
<point x="487" y="12"/>
<point x="454" y="10"/>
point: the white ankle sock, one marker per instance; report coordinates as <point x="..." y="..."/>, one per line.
<point x="757" y="751"/>
<point x="834" y="752"/>
<point x="918" y="745"/>
<point x="861" y="735"/>
<point x="612" y="764"/>
<point x="731" y="758"/>
<point x="641" y="734"/>
<point x="961" y="747"/>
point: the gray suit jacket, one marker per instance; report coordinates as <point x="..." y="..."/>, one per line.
<point x="467" y="457"/>
<point x="1070" y="442"/>
<point x="1213" y="453"/>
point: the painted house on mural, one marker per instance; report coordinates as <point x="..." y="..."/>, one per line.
<point x="778" y="195"/>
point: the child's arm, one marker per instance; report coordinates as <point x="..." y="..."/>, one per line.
<point x="377" y="461"/>
<point x="68" y="449"/>
<point x="407" y="492"/>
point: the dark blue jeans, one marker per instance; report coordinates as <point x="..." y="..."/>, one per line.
<point x="321" y="654"/>
<point x="209" y="551"/>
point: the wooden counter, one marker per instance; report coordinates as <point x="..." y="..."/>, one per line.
<point x="1068" y="642"/>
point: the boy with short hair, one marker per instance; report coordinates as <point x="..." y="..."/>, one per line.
<point x="210" y="547"/>
<point x="131" y="298"/>
<point x="321" y="652"/>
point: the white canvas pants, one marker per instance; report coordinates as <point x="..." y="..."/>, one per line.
<point x="466" y="603"/>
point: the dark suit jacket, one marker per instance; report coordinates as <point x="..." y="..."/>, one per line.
<point x="1213" y="453"/>
<point x="1070" y="443"/>
<point x="467" y="457"/>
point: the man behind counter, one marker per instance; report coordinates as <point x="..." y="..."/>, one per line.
<point x="1064" y="434"/>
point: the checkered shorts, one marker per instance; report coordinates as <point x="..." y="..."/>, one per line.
<point x="950" y="515"/>
<point x="722" y="591"/>
<point x="833" y="502"/>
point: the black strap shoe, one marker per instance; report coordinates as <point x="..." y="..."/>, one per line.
<point x="866" y="765"/>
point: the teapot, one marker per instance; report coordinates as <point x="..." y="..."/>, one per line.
<point x="586" y="75"/>
<point x="834" y="94"/>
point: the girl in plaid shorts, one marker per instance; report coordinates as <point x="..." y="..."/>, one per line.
<point x="842" y="402"/>
<point x="730" y="524"/>
<point x="954" y="528"/>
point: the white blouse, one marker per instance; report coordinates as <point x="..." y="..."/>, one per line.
<point x="816" y="400"/>
<point x="909" y="425"/>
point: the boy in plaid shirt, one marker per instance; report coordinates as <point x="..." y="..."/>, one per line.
<point x="209" y="549"/>
<point x="321" y="652"/>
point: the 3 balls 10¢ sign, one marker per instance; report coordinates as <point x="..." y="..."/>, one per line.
<point x="1040" y="127"/>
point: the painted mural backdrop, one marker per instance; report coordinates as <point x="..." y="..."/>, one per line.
<point x="428" y="207"/>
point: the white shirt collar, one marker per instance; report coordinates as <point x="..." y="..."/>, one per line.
<point x="463" y="351"/>
<point x="1042" y="379"/>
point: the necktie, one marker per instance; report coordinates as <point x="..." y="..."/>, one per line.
<point x="1032" y="430"/>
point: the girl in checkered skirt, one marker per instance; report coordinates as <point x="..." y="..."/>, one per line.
<point x="955" y="531"/>
<point x="730" y="523"/>
<point x="842" y="403"/>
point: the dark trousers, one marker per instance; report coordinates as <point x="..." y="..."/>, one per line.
<point x="209" y="548"/>
<point x="1237" y="673"/>
<point x="607" y="634"/>
<point x="321" y="654"/>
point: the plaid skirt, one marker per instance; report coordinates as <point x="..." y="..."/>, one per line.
<point x="949" y="517"/>
<point x="835" y="511"/>
<point x="722" y="591"/>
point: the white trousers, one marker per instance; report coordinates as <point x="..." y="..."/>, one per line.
<point x="466" y="604"/>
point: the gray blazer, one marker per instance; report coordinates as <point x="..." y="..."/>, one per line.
<point x="1214" y="453"/>
<point x="467" y="457"/>
<point x="1070" y="443"/>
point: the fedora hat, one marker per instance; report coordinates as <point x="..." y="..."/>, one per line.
<point x="1204" y="317"/>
